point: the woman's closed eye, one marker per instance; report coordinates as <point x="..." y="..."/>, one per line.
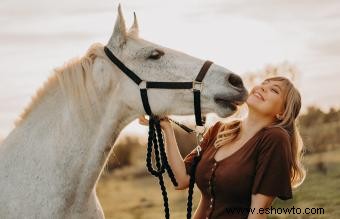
<point x="275" y="91"/>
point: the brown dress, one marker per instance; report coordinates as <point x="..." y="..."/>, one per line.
<point x="261" y="165"/>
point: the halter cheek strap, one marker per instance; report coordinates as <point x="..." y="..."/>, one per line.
<point x="197" y="87"/>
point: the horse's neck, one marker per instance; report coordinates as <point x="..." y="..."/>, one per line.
<point x="60" y="148"/>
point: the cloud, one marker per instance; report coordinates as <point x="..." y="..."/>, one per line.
<point x="278" y="10"/>
<point x="313" y="21"/>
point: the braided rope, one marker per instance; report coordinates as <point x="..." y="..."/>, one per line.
<point x="192" y="184"/>
<point x="163" y="154"/>
<point x="149" y="152"/>
<point x="155" y="141"/>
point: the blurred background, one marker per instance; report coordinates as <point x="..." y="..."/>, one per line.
<point x="255" y="39"/>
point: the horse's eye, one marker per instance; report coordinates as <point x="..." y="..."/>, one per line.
<point x="156" y="54"/>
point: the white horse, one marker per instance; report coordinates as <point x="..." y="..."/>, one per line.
<point x="50" y="163"/>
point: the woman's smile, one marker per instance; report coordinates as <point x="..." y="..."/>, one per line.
<point x="258" y="95"/>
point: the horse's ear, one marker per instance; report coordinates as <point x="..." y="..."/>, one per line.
<point x="119" y="34"/>
<point x="134" y="29"/>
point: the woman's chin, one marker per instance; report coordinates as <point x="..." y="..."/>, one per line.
<point x="253" y="103"/>
<point x="258" y="107"/>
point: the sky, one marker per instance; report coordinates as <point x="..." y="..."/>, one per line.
<point x="243" y="35"/>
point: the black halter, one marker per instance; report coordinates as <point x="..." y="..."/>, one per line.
<point x="155" y="134"/>
<point x="195" y="85"/>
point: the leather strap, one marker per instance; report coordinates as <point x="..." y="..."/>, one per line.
<point x="169" y="85"/>
<point x="122" y="67"/>
<point x="145" y="101"/>
<point x="197" y="92"/>
<point x="203" y="70"/>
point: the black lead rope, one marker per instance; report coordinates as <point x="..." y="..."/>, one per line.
<point x="155" y="139"/>
<point x="192" y="184"/>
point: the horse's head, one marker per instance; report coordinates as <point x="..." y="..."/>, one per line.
<point x="222" y="89"/>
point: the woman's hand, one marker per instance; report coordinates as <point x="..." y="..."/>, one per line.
<point x="164" y="122"/>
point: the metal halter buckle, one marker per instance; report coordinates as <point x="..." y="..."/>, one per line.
<point x="197" y="85"/>
<point x="142" y="85"/>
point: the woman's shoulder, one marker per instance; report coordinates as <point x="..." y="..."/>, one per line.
<point x="275" y="132"/>
<point x="274" y="136"/>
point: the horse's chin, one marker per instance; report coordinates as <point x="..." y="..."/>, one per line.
<point x="225" y="111"/>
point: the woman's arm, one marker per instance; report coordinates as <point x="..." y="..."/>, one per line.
<point x="175" y="159"/>
<point x="174" y="156"/>
<point x="260" y="201"/>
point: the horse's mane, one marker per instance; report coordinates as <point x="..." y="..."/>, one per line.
<point x="75" y="80"/>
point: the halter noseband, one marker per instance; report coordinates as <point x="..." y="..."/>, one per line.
<point x="143" y="85"/>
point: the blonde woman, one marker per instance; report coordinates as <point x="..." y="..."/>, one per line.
<point x="245" y="164"/>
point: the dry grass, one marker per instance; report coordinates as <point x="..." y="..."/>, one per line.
<point x="128" y="194"/>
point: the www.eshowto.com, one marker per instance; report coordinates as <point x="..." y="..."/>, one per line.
<point x="272" y="210"/>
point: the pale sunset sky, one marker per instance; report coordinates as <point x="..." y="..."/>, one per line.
<point x="242" y="35"/>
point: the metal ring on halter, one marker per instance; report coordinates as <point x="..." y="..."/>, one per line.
<point x="142" y="85"/>
<point x="198" y="149"/>
<point x="197" y="85"/>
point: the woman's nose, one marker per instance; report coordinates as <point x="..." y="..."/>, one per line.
<point x="263" y="88"/>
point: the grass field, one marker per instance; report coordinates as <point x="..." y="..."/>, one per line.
<point x="131" y="193"/>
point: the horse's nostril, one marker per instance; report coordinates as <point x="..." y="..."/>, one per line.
<point x="235" y="81"/>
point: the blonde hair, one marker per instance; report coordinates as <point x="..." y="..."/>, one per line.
<point x="230" y="131"/>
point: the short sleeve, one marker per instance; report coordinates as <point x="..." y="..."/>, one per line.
<point x="208" y="135"/>
<point x="273" y="165"/>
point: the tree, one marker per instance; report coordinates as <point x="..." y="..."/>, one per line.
<point x="313" y="117"/>
<point x="332" y="115"/>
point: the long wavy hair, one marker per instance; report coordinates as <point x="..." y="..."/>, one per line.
<point x="230" y="131"/>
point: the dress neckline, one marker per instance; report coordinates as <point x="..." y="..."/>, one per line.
<point x="238" y="150"/>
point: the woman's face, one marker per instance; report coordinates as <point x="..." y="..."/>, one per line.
<point x="267" y="98"/>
